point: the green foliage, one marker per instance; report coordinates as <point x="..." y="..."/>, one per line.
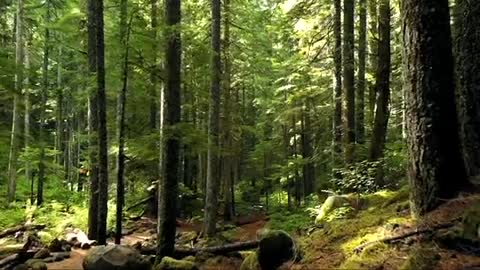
<point x="290" y="221"/>
<point x="359" y="177"/>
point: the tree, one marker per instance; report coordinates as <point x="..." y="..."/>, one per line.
<point x="337" y="117"/>
<point x="468" y="79"/>
<point x="433" y="141"/>
<point x="121" y="100"/>
<point x="348" y="79"/>
<point x="92" y="122"/>
<point x="213" y="162"/>
<point x="379" y="133"/>
<point x="372" y="57"/>
<point x="168" y="189"/>
<point x="102" y="128"/>
<point x="361" y="83"/>
<point x="15" y="134"/>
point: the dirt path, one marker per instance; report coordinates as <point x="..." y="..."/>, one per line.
<point x="72" y="263"/>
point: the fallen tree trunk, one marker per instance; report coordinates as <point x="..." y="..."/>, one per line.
<point x="181" y="252"/>
<point x="391" y="239"/>
<point x="143" y="201"/>
<point x="21" y="228"/>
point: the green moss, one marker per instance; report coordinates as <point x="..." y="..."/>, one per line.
<point x="421" y="258"/>
<point x="250" y="262"/>
<point x="168" y="263"/>
<point x="371" y="257"/>
<point x="471" y="223"/>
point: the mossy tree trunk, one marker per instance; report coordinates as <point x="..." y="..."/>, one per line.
<point x="348" y="79"/>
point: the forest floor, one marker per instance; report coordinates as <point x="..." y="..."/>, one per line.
<point x="333" y="243"/>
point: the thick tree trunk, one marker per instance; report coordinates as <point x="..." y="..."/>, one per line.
<point x="348" y="79"/>
<point x="155" y="70"/>
<point x="169" y="182"/>
<point x="337" y="116"/>
<point x="121" y="100"/>
<point x="379" y="134"/>
<point x="433" y="140"/>
<point x="60" y="129"/>
<point x="361" y="84"/>
<point x="213" y="162"/>
<point x="468" y="81"/>
<point x="92" y="123"/>
<point x="307" y="152"/>
<point x="102" y="130"/>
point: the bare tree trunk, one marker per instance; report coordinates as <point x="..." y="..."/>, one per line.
<point x="121" y="100"/>
<point x="213" y="165"/>
<point x="92" y="123"/>
<point x="337" y="116"/>
<point x="60" y="134"/>
<point x="379" y="134"/>
<point x="169" y="183"/>
<point x="362" y="53"/>
<point x="102" y="130"/>
<point x="28" y="172"/>
<point x="348" y="80"/>
<point x="372" y="56"/>
<point x="433" y="141"/>
<point x="15" y="135"/>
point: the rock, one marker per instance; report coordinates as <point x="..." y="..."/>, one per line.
<point x="60" y="255"/>
<point x="21" y="267"/>
<point x="471" y="223"/>
<point x="55" y="245"/>
<point x="168" y="263"/>
<point x="42" y="254"/>
<point x="30" y="262"/>
<point x="39" y="266"/>
<point x="115" y="258"/>
<point x="49" y="260"/>
<point x="185" y="238"/>
<point x="274" y="249"/>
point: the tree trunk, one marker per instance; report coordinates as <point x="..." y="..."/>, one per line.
<point x="213" y="162"/>
<point x="433" y="141"/>
<point x="44" y="96"/>
<point x="372" y="56"/>
<point x="102" y="130"/>
<point x="121" y="100"/>
<point x="155" y="69"/>
<point x="15" y="135"/>
<point x="169" y="182"/>
<point x="307" y="152"/>
<point x="362" y="52"/>
<point x="59" y="134"/>
<point x="379" y="133"/>
<point x="468" y="81"/>
<point x="28" y="172"/>
<point x="348" y="79"/>
<point x="92" y="123"/>
<point x="337" y="116"/>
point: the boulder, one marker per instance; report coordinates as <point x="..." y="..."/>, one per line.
<point x="115" y="257"/>
<point x="39" y="266"/>
<point x="21" y="267"/>
<point x="168" y="263"/>
<point x="275" y="248"/>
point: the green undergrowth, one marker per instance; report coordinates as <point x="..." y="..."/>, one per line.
<point x="376" y="217"/>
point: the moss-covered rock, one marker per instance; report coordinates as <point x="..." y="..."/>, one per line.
<point x="421" y="258"/>
<point x="274" y="249"/>
<point x="331" y="203"/>
<point x="115" y="258"/>
<point x="471" y="223"/>
<point x="168" y="263"/>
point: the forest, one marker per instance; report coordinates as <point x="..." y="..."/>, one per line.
<point x="239" y="134"/>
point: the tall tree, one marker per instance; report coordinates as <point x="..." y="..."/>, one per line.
<point x="348" y="79"/>
<point x="121" y="100"/>
<point x="213" y="162"/>
<point x="92" y="122"/>
<point x="372" y="57"/>
<point x="467" y="24"/>
<point x="361" y="83"/>
<point x="337" y="116"/>
<point x="433" y="141"/>
<point x="379" y="133"/>
<point x="102" y="128"/>
<point x="168" y="189"/>
<point x="15" y="134"/>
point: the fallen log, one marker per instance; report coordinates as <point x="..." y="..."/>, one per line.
<point x="181" y="252"/>
<point x="143" y="201"/>
<point x="391" y="239"/>
<point x="21" y="228"/>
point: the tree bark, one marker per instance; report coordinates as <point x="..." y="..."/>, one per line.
<point x="213" y="162"/>
<point x="121" y="100"/>
<point x="169" y="182"/>
<point x="468" y="81"/>
<point x="337" y="116"/>
<point x="433" y="141"/>
<point x="92" y="123"/>
<point x="102" y="129"/>
<point x="379" y="133"/>
<point x="307" y="152"/>
<point x="27" y="139"/>
<point x="348" y="79"/>
<point x="372" y="57"/>
<point x="361" y="84"/>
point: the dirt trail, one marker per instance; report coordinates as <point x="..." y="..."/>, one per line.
<point x="72" y="263"/>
